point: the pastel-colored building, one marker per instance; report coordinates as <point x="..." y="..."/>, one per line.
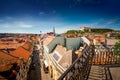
<point x="59" y="53"/>
<point x="60" y="60"/>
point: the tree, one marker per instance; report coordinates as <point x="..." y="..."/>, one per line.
<point x="72" y="31"/>
<point x="117" y="36"/>
<point x="117" y="49"/>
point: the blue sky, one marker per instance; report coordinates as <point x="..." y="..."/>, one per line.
<point x="33" y="16"/>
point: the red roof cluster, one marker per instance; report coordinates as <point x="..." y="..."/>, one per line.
<point x="23" y="51"/>
<point x="8" y="60"/>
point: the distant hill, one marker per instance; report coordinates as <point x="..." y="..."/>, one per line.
<point x="101" y="30"/>
<point x="90" y="30"/>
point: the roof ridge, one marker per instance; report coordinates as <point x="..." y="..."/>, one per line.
<point x="24" y="48"/>
<point x="9" y="54"/>
<point x="29" y="45"/>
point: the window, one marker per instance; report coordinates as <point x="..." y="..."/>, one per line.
<point x="56" y="57"/>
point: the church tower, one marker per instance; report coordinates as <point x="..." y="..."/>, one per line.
<point x="54" y="30"/>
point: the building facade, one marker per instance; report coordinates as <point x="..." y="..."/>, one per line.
<point x="59" y="53"/>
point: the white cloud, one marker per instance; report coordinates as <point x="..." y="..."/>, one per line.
<point x="45" y="26"/>
<point x="62" y="30"/>
<point x="15" y="31"/>
<point x="24" y="25"/>
<point x="6" y="25"/>
<point x="112" y="21"/>
<point x="16" y="24"/>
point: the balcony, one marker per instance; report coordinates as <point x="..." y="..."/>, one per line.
<point x="95" y="62"/>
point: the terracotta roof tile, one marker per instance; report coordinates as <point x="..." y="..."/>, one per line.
<point x="28" y="46"/>
<point x="101" y="38"/>
<point x="21" y="53"/>
<point x="48" y="39"/>
<point x="10" y="45"/>
<point x="6" y="61"/>
<point x="33" y="38"/>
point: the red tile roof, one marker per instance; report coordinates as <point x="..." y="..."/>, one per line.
<point x="10" y="45"/>
<point x="21" y="53"/>
<point x="6" y="61"/>
<point x="101" y="38"/>
<point x="33" y="38"/>
<point x="28" y="46"/>
<point x="48" y="39"/>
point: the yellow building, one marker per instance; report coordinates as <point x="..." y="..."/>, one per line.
<point x="59" y="53"/>
<point x="60" y="60"/>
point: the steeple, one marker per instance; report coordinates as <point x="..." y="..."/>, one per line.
<point x="54" y="30"/>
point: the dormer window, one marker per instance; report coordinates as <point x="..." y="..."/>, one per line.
<point x="56" y="57"/>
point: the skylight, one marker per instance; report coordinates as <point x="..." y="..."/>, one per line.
<point x="56" y="57"/>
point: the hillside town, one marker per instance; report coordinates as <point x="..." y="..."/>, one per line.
<point x="84" y="54"/>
